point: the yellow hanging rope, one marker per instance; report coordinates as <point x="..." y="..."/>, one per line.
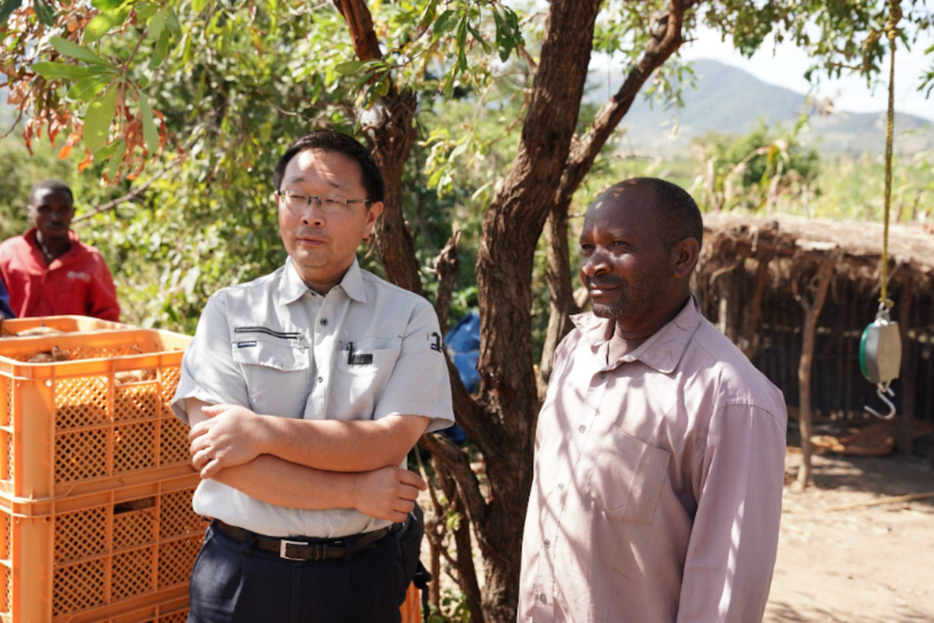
<point x="891" y="31"/>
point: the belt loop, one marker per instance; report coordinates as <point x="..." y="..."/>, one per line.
<point x="350" y="547"/>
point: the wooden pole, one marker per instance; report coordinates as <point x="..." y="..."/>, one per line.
<point x="812" y="308"/>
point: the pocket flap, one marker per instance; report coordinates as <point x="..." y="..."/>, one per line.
<point x="281" y="356"/>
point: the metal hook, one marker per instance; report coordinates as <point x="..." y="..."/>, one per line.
<point x="882" y="391"/>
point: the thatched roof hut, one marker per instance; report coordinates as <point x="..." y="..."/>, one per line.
<point x="762" y="279"/>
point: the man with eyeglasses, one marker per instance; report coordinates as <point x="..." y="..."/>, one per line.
<point x="305" y="390"/>
<point x="47" y="270"/>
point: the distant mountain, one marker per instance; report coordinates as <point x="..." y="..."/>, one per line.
<point x="733" y="101"/>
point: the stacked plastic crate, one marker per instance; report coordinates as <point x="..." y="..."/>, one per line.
<point x="95" y="485"/>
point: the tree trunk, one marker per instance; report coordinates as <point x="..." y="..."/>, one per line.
<point x="812" y="309"/>
<point x="542" y="181"/>
<point x="560" y="293"/>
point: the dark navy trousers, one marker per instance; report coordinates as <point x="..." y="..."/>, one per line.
<point x="233" y="582"/>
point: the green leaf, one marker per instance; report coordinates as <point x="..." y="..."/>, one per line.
<point x="348" y="68"/>
<point x="99" y="25"/>
<point x="86" y="88"/>
<point x="443" y="23"/>
<point x="56" y="71"/>
<point x="107" y="5"/>
<point x="97" y="119"/>
<point x="198" y="5"/>
<point x="108" y="151"/>
<point x="7" y="7"/>
<point x="116" y="160"/>
<point x="476" y="35"/>
<point x="72" y="49"/>
<point x="150" y="133"/>
<point x="382" y="87"/>
<point x="159" y="53"/>
<point x="44" y="12"/>
<point x="157" y="24"/>
<point x="172" y="22"/>
<point x="145" y="10"/>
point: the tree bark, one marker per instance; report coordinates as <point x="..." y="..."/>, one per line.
<point x="812" y="309"/>
<point x="560" y="293"/>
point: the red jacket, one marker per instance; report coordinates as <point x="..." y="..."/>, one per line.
<point x="77" y="283"/>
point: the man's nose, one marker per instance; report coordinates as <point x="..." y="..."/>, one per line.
<point x="595" y="264"/>
<point x="313" y="214"/>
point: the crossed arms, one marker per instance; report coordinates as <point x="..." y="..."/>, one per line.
<point x="309" y="464"/>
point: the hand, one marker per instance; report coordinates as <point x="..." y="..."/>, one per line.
<point x="231" y="435"/>
<point x="387" y="493"/>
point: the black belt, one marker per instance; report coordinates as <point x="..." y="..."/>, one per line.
<point x="289" y="549"/>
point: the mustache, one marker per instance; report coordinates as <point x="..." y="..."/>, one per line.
<point x="604" y="281"/>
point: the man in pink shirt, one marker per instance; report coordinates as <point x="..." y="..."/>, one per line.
<point x="660" y="449"/>
<point x="47" y="270"/>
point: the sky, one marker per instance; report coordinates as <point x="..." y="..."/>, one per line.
<point x="786" y="66"/>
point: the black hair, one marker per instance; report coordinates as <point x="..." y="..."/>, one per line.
<point x="679" y="210"/>
<point x="336" y="142"/>
<point x="54" y="185"/>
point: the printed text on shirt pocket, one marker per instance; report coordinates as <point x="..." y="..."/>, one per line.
<point x="628" y="476"/>
<point x="279" y="355"/>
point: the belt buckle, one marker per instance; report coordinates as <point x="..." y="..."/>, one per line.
<point x="283" y="544"/>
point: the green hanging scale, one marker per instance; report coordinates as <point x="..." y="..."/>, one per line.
<point x="880" y="349"/>
<point x="880" y="357"/>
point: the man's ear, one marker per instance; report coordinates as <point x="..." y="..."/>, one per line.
<point x="684" y="256"/>
<point x="373" y="212"/>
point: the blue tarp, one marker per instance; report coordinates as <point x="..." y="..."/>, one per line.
<point x="463" y="346"/>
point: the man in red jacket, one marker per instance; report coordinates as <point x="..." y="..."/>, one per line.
<point x="47" y="270"/>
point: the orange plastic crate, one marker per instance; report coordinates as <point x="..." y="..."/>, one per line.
<point x="411" y="610"/>
<point x="12" y="327"/>
<point x="113" y="555"/>
<point x="97" y="421"/>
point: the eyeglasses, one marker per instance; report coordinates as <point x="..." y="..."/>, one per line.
<point x="298" y="201"/>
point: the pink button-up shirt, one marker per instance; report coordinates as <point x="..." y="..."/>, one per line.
<point x="658" y="481"/>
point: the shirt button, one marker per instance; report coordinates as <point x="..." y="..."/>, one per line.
<point x="582" y="428"/>
<point x="544" y="598"/>
<point x="603" y="375"/>
<point x="547" y="543"/>
<point x="560" y="486"/>
<point x="321" y="379"/>
<point x="324" y="322"/>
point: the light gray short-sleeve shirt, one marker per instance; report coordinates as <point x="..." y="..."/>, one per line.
<point x="364" y="351"/>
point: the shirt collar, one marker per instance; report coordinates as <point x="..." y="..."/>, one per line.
<point x="661" y="351"/>
<point x="292" y="287"/>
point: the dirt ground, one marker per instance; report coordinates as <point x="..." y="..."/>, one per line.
<point x="859" y="565"/>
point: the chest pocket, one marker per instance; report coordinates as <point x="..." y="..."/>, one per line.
<point x="358" y="384"/>
<point x="628" y="477"/>
<point x="277" y="373"/>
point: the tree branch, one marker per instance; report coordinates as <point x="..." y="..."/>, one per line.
<point x="666" y="40"/>
<point x="446" y="265"/>
<point x="360" y="21"/>
<point x="130" y="196"/>
<point x="458" y="464"/>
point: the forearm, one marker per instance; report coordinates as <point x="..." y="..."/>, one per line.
<point x="279" y="482"/>
<point x="342" y="445"/>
